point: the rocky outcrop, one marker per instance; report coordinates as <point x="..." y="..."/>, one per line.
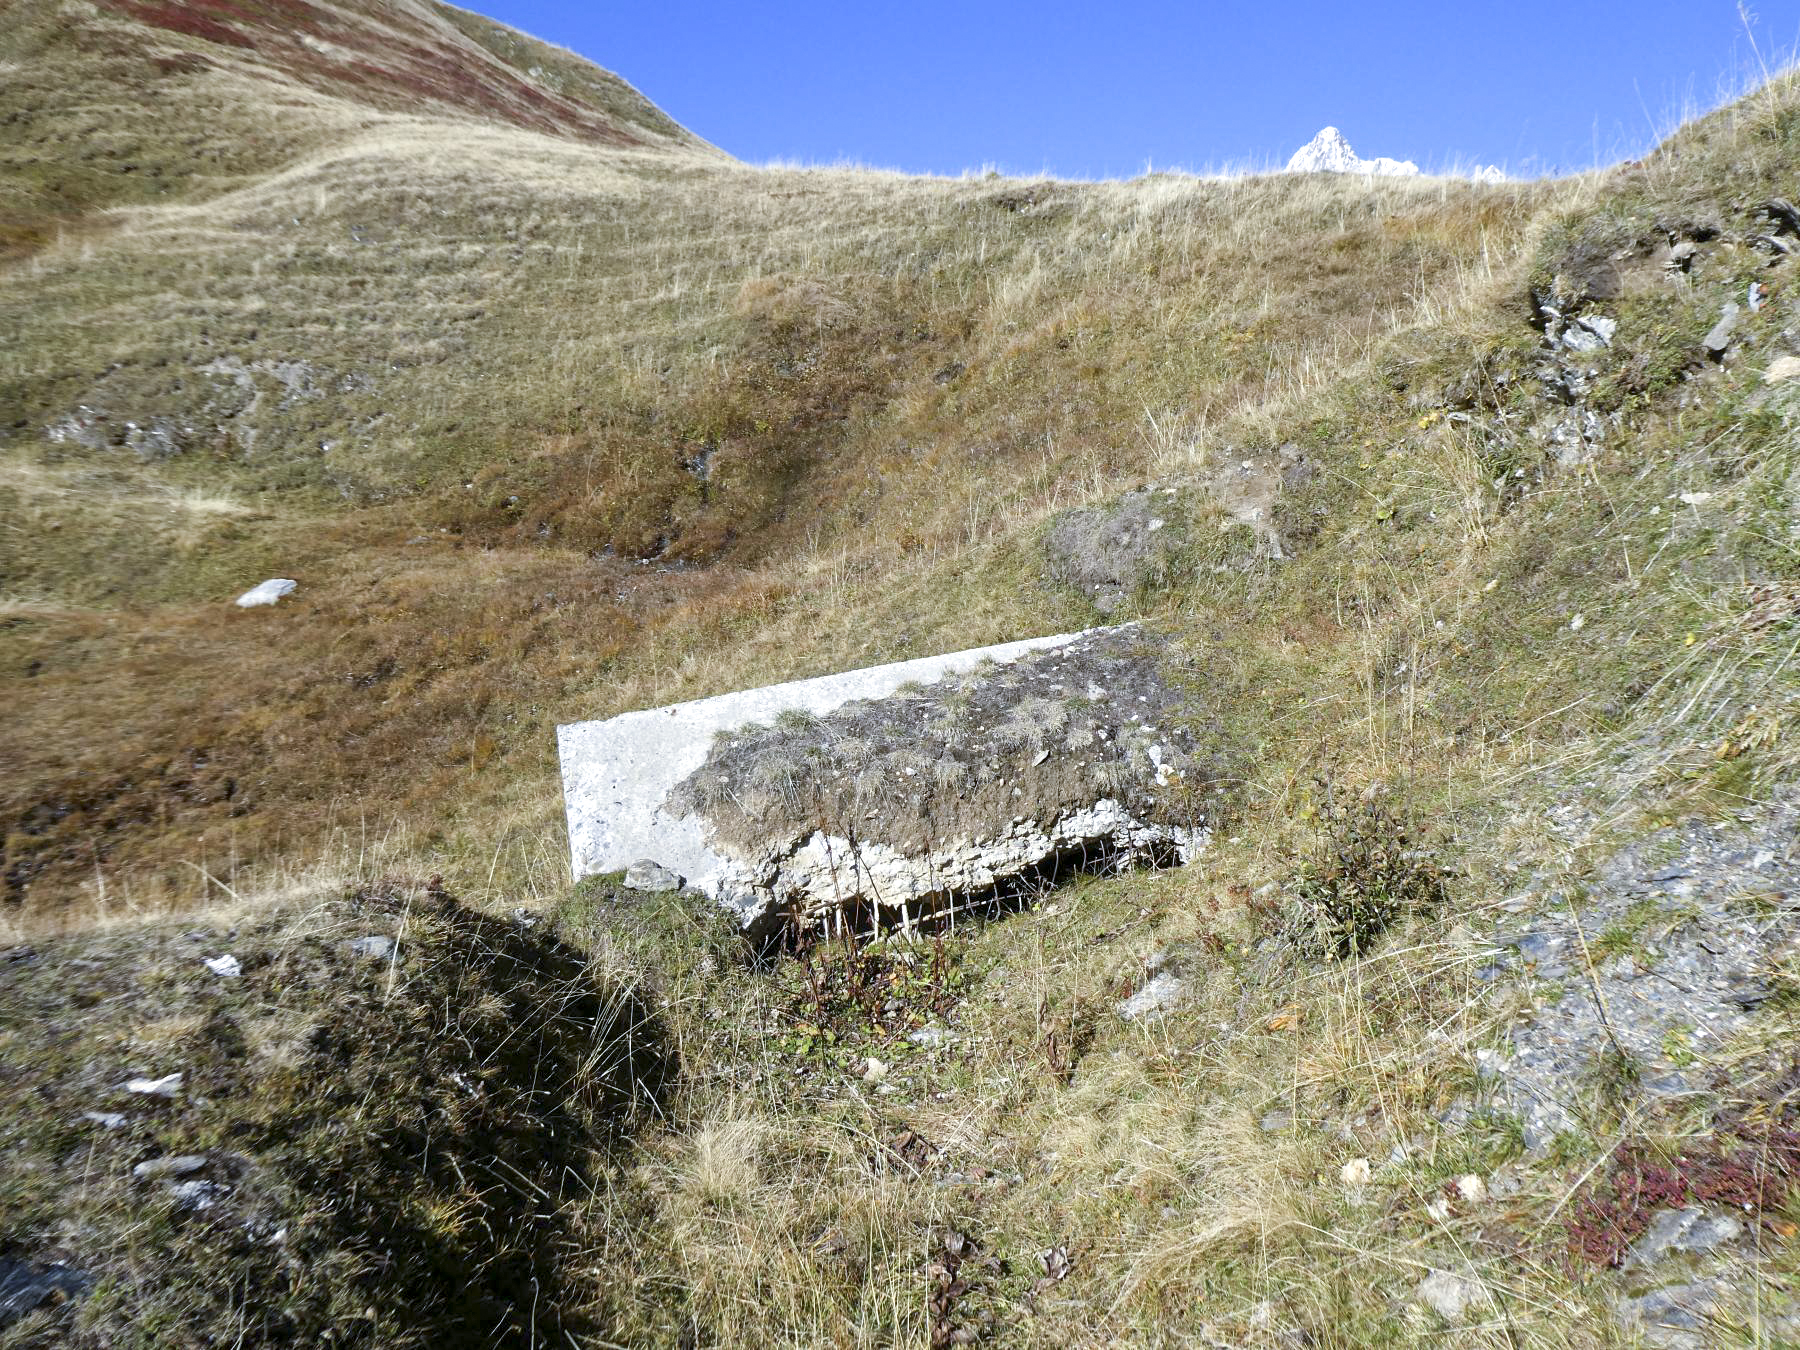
<point x="1116" y="552"/>
<point x="1082" y="757"/>
<point x="1119" y="553"/>
<point x="1667" y="957"/>
<point x="1248" y="486"/>
<point x="225" y="407"/>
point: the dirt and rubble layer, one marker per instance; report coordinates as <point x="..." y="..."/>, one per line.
<point x="971" y="757"/>
<point x="348" y="1124"/>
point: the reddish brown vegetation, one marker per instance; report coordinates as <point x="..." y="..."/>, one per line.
<point x="181" y="63"/>
<point x="1747" y="1171"/>
<point x="191" y="20"/>
<point x="412" y="689"/>
<point x="377" y="61"/>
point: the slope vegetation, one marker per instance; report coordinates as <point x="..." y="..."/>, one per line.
<point x="1479" y="523"/>
<point x="139" y="100"/>
<point x="551" y="429"/>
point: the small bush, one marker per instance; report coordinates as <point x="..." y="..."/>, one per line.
<point x="1365" y="875"/>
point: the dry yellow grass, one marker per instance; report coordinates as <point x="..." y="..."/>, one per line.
<point x="448" y="373"/>
<point x="473" y="310"/>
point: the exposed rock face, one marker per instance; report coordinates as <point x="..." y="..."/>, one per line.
<point x="1677" y="1317"/>
<point x="1589" y="332"/>
<point x="1113" y="553"/>
<point x="226" y="402"/>
<point x="1075" y="757"/>
<point x="1690" y="1231"/>
<point x="1248" y="486"/>
<point x="24" y="1287"/>
<point x="1119" y="552"/>
<point x="1707" y="932"/>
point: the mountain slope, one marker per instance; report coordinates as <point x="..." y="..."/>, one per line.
<point x="129" y="101"/>
<point x="380" y="344"/>
<point x="1479" y="524"/>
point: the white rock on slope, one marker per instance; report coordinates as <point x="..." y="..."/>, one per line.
<point x="267" y="592"/>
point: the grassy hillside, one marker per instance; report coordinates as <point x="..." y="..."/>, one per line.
<point x="649" y="406"/>
<point x="553" y="412"/>
<point x="133" y="101"/>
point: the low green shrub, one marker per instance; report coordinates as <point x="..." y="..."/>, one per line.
<point x="1366" y="874"/>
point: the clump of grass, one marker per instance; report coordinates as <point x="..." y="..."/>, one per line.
<point x="1366" y="874"/>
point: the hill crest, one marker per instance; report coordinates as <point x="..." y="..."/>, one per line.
<point x="136" y="102"/>
<point x="390" y="53"/>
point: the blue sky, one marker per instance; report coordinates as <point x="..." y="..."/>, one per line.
<point x="1092" y="91"/>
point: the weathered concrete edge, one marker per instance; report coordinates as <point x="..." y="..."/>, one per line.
<point x="618" y="772"/>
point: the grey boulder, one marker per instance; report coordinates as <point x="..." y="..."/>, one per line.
<point x="646" y="874"/>
<point x="1452" y="1296"/>
<point x="1719" y="338"/>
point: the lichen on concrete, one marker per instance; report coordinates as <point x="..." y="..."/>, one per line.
<point x="1085" y="755"/>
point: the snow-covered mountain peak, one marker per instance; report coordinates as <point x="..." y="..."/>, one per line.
<point x="1330" y="152"/>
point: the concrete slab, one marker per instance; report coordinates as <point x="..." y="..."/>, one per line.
<point x="617" y="774"/>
